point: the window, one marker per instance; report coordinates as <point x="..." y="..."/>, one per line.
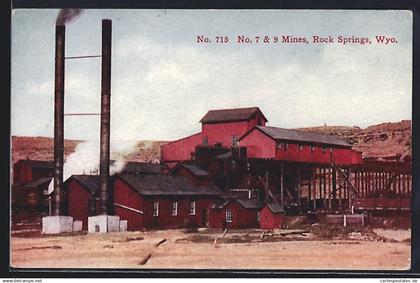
<point x="205" y="140"/>
<point x="174" y="208"/>
<point x="155" y="209"/>
<point x="300" y="147"/>
<point x="228" y="215"/>
<point x="280" y="146"/>
<point x="92" y="207"/>
<point x="286" y="146"/>
<point x="312" y="148"/>
<point x="258" y="216"/>
<point x="234" y="140"/>
<point x="192" y="208"/>
<point x="331" y="150"/>
<point x="324" y="149"/>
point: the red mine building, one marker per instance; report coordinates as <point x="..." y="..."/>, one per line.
<point x="219" y="127"/>
<point x="162" y="201"/>
<point x="294" y="170"/>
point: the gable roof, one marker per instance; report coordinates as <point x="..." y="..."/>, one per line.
<point x="244" y="202"/>
<point x="296" y="135"/>
<point x="141" y="167"/>
<point x="275" y="208"/>
<point x="250" y="203"/>
<point x="39" y="182"/>
<point x="197" y="171"/>
<point x="165" y="185"/>
<point x="230" y="115"/>
<point x="91" y="182"/>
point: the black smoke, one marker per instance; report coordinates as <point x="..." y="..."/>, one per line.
<point x="67" y="15"/>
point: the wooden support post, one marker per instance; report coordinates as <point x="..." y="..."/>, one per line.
<point x="314" y="188"/>
<point x="350" y="177"/>
<point x="329" y="188"/>
<point x="282" y="185"/>
<point x="309" y="185"/>
<point x="324" y="183"/>
<point x="334" y="186"/>
<point x="298" y="184"/>
<point x="320" y="183"/>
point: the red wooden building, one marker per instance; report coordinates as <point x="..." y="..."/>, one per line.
<point x="298" y="146"/>
<point x="162" y="201"/>
<point x="26" y="171"/>
<point x="219" y="127"/>
<point x="29" y="177"/>
<point x="235" y="213"/>
<point x="271" y="216"/>
<point x="82" y="197"/>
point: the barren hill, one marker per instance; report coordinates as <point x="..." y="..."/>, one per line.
<point x="41" y="148"/>
<point x="377" y="141"/>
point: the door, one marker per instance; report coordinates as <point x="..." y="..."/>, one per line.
<point x="205" y="217"/>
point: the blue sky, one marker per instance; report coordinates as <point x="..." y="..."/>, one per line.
<point x="163" y="82"/>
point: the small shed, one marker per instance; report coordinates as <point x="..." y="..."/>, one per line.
<point x="271" y="216"/>
<point x="82" y="197"/>
<point x="235" y="213"/>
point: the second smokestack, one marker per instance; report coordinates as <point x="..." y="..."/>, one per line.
<point x="105" y="115"/>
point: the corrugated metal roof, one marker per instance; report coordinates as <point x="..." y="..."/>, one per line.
<point x="39" y="182"/>
<point x="197" y="171"/>
<point x="220" y="203"/>
<point x="141" y="167"/>
<point x="226" y="115"/>
<point x="148" y="184"/>
<point x="275" y="208"/>
<point x="295" y="135"/>
<point x="90" y="182"/>
<point x="244" y="202"/>
<point x="250" y="203"/>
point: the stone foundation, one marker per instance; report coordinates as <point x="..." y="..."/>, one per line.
<point x="57" y="224"/>
<point x="103" y="224"/>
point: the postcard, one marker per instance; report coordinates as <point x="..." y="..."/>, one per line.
<point x="211" y="139"/>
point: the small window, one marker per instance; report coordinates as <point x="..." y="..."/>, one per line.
<point x="300" y="147"/>
<point x="205" y="140"/>
<point x="192" y="208"/>
<point x="312" y="148"/>
<point x="228" y="215"/>
<point x="280" y="146"/>
<point x="92" y="207"/>
<point x="258" y="216"/>
<point x="331" y="150"/>
<point x="234" y="140"/>
<point x="174" y="209"/>
<point x="286" y="146"/>
<point x="324" y="149"/>
<point x="155" y="209"/>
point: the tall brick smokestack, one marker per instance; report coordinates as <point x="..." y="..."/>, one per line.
<point x="105" y="115"/>
<point x="59" y="118"/>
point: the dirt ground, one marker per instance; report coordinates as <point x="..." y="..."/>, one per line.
<point x="246" y="249"/>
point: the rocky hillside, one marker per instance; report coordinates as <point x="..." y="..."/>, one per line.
<point x="378" y="141"/>
<point x="384" y="140"/>
<point x="41" y="148"/>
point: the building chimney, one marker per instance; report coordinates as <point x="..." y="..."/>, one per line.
<point x="105" y="116"/>
<point x="59" y="118"/>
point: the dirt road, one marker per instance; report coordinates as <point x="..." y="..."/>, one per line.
<point x="128" y="249"/>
